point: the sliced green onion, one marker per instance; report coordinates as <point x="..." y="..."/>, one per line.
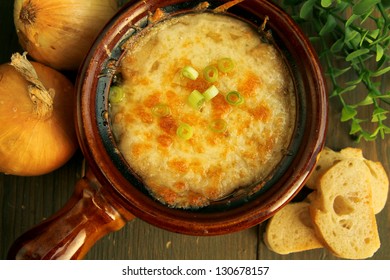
<point x="196" y="99"/>
<point x="234" y="98"/>
<point x="225" y="65"/>
<point x="210" y="93"/>
<point x="218" y="126"/>
<point x="210" y="73"/>
<point x="116" y="94"/>
<point x="190" y="73"/>
<point x="161" y="110"/>
<point x="185" y="131"/>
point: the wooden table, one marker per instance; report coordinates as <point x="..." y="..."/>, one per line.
<point x="25" y="201"/>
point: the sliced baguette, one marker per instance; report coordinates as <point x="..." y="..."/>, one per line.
<point x="342" y="213"/>
<point x="290" y="230"/>
<point x="326" y="159"/>
<point x="380" y="181"/>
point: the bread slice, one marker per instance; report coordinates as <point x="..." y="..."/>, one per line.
<point x="342" y="213"/>
<point x="380" y="181"/>
<point x="290" y="230"/>
<point x="327" y="158"/>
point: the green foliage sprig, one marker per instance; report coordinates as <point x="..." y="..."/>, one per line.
<point x="352" y="35"/>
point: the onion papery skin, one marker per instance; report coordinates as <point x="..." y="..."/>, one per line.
<point x="59" y="33"/>
<point x="29" y="145"/>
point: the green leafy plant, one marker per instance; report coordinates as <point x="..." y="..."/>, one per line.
<point x="352" y="36"/>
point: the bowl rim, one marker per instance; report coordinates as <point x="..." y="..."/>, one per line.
<point x="91" y="118"/>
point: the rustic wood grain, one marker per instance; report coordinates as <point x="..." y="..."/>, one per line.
<point x="25" y="201"/>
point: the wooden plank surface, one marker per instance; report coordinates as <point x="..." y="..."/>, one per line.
<point x="25" y="201"/>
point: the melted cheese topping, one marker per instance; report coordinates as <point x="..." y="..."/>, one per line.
<point x="210" y="165"/>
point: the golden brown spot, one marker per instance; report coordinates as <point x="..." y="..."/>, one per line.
<point x="174" y="100"/>
<point x="261" y="112"/>
<point x="199" y="84"/>
<point x="196" y="167"/>
<point x="196" y="200"/>
<point x="152" y="100"/>
<point x="169" y="196"/>
<point x="197" y="146"/>
<point x="213" y="190"/>
<point x="192" y="119"/>
<point x="249" y="85"/>
<point x="139" y="148"/>
<point x="179" y="186"/>
<point x="214" y="139"/>
<point x="128" y="118"/>
<point x="269" y="144"/>
<point x="180" y="166"/>
<point x="145" y="116"/>
<point x="168" y="125"/>
<point x="211" y="140"/>
<point x="220" y="106"/>
<point x="214" y="172"/>
<point x="164" y="140"/>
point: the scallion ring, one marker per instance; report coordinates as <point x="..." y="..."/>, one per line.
<point x="185" y="131"/>
<point x="218" y="126"/>
<point x="234" y="98"/>
<point x="161" y="110"/>
<point x="225" y="65"/>
<point x="210" y="73"/>
<point x="116" y="94"/>
<point x="210" y="93"/>
<point x="196" y="99"/>
<point x="190" y="73"/>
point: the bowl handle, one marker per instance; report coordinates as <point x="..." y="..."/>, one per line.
<point x="74" y="229"/>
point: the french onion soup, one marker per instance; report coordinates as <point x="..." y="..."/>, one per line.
<point x="204" y="107"/>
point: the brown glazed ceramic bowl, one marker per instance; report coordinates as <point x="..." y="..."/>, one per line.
<point x="109" y="192"/>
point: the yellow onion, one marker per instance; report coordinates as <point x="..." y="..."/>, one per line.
<point x="59" y="33"/>
<point x="37" y="132"/>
